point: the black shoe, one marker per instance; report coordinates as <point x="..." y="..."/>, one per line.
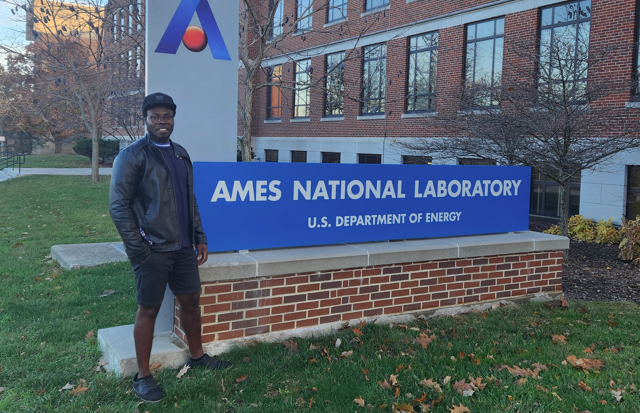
<point x="208" y="363"/>
<point x="147" y="389"/>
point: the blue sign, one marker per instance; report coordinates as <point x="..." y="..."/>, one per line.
<point x="180" y="23"/>
<point x="273" y="205"/>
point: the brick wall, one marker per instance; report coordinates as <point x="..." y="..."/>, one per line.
<point x="244" y="308"/>
<point x="612" y="30"/>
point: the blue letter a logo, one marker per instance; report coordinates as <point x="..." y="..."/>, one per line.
<point x="180" y="22"/>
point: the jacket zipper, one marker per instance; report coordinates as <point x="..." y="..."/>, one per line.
<point x="175" y="205"/>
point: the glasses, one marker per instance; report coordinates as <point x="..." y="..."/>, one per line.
<point x="156" y="118"/>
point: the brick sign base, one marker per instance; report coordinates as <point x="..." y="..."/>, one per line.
<point x="237" y="309"/>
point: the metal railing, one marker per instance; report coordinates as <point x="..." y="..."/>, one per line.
<point x="11" y="160"/>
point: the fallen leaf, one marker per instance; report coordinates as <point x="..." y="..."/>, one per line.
<point x="291" y="345"/>
<point x="107" y="293"/>
<point x="587" y="350"/>
<point x="384" y="384"/>
<point x="79" y="390"/>
<point x="556" y="396"/>
<point x="155" y="365"/>
<point x="461" y="386"/>
<point x="394" y="379"/>
<point x="241" y="378"/>
<point x="338" y="342"/>
<point x="563" y="301"/>
<point x="403" y="407"/>
<point x="403" y="326"/>
<point x="67" y="386"/>
<point x="585" y="364"/>
<point x="519" y="371"/>
<point x="2" y="389"/>
<point x="366" y="374"/>
<point x="544" y="389"/>
<point x="446" y="380"/>
<point x="359" y="401"/>
<point x="559" y="339"/>
<point x="183" y="370"/>
<point x="346" y="354"/>
<point x="583" y="386"/>
<point x="438" y="400"/>
<point x="39" y="391"/>
<point x="617" y="395"/>
<point x="521" y="381"/>
<point x="357" y="331"/>
<point x="313" y="360"/>
<point x="246" y="359"/>
<point x="430" y="384"/>
<point x="424" y="340"/>
<point x="397" y="393"/>
<point x="312" y="347"/>
<point x="459" y="409"/>
<point x="612" y="323"/>
<point x="420" y="400"/>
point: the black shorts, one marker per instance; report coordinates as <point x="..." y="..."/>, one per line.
<point x="178" y="268"/>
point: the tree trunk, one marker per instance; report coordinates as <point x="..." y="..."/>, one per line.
<point x="564" y="215"/>
<point x="247" y="117"/>
<point x="57" y="147"/>
<point x="95" y="155"/>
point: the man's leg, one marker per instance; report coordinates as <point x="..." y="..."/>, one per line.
<point x="143" y="337"/>
<point x="191" y="323"/>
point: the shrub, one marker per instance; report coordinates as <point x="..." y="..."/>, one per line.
<point x="107" y="148"/>
<point x="581" y="228"/>
<point x="630" y="245"/>
<point x="606" y="233"/>
<point x="555" y="230"/>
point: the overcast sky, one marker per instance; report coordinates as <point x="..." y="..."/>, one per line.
<point x="12" y="30"/>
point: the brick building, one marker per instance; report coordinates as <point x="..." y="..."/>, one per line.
<point x="384" y="70"/>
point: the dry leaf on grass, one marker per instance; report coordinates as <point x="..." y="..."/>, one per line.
<point x="466" y="389"/>
<point x="544" y="389"/>
<point x="519" y="371"/>
<point x="585" y="364"/>
<point x="583" y="386"/>
<point x="183" y="370"/>
<point x="79" y="390"/>
<point x="403" y="407"/>
<point x="89" y="336"/>
<point x="403" y="326"/>
<point x="155" y="365"/>
<point x="241" y="378"/>
<point x="312" y="347"/>
<point x="107" y="293"/>
<point x="397" y="393"/>
<point x="459" y="409"/>
<point x="431" y="385"/>
<point x="359" y="401"/>
<point x="346" y="354"/>
<point x="357" y="331"/>
<point x="384" y="384"/>
<point x="420" y="400"/>
<point x="291" y="345"/>
<point x="617" y="395"/>
<point x="446" y="380"/>
<point x="338" y="342"/>
<point x="424" y="340"/>
<point x="521" y="381"/>
<point x="394" y="379"/>
<point x="67" y="386"/>
<point x="101" y="364"/>
<point x="563" y="302"/>
<point x="559" y="339"/>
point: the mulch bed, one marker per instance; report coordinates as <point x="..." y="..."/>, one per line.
<point x="594" y="271"/>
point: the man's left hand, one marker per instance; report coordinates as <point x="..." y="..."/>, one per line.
<point x="202" y="253"/>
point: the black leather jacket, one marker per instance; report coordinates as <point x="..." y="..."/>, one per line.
<point x="142" y="203"/>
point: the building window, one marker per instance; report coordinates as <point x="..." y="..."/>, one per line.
<point x="633" y="192"/>
<point x="483" y="63"/>
<point x="423" y="57"/>
<point x="305" y="12"/>
<point x="369" y="158"/>
<point x="376" y="4"/>
<point x="299" y="156"/>
<point x="330" y="157"/>
<point x="274" y="98"/>
<point x="476" y="161"/>
<point x="564" y="51"/>
<point x="334" y="96"/>
<point x="374" y="77"/>
<point x="337" y="10"/>
<point x="278" y="15"/>
<point x="545" y="195"/>
<point x="270" y="155"/>
<point x="302" y="93"/>
<point x="416" y="160"/>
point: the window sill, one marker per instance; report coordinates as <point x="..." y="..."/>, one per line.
<point x="632" y="105"/>
<point x="332" y="119"/>
<point x="333" y="23"/>
<point x="414" y="115"/>
<point x="301" y="32"/>
<point x="479" y="112"/>
<point x="371" y="117"/>
<point x="374" y="11"/>
<point x="272" y="120"/>
<point x="295" y="120"/>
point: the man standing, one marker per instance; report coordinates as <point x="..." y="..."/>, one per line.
<point x="152" y="204"/>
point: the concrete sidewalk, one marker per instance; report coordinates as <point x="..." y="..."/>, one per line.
<point x="57" y="171"/>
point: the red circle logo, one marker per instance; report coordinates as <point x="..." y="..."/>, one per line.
<point x="194" y="39"/>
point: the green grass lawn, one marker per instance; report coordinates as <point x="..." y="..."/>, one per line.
<point x="47" y="314"/>
<point x="56" y="161"/>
